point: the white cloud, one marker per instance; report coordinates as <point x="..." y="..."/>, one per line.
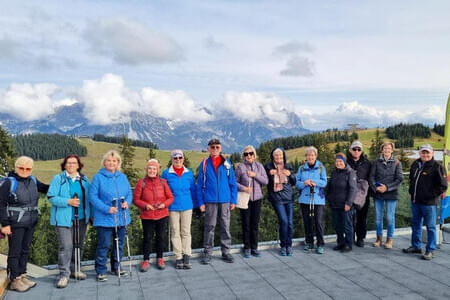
<point x="173" y="105"/>
<point x="131" y="43"/>
<point x="292" y="48"/>
<point x="253" y="106"/>
<point x="107" y="100"/>
<point x="298" y="66"/>
<point x="28" y="102"/>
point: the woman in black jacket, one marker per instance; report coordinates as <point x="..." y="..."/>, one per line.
<point x="281" y="179"/>
<point x="340" y="193"/>
<point x="19" y="195"/>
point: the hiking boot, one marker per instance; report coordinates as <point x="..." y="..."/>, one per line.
<point x="427" y="256"/>
<point x="308" y="247"/>
<point x="122" y="273"/>
<point x="338" y="247"/>
<point x="256" y="253"/>
<point x="388" y="244"/>
<point x="320" y="250"/>
<point x="161" y="264"/>
<point x="27" y="281"/>
<point x="360" y="243"/>
<point x="78" y="275"/>
<point x="283" y="251"/>
<point x="206" y="259"/>
<point x="346" y="249"/>
<point x="62" y="282"/>
<point x="18" y="285"/>
<point x="227" y="258"/>
<point x="179" y="264"/>
<point x="247" y="253"/>
<point x="102" y="277"/>
<point x="412" y="250"/>
<point x="289" y="251"/>
<point x="186" y="264"/>
<point x="144" y="266"/>
<point x="378" y="242"/>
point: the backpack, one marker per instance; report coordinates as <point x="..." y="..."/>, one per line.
<point x="13" y="198"/>
<point x="13" y="186"/>
<point x="362" y="187"/>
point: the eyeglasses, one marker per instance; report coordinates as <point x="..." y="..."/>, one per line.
<point x="248" y="153"/>
<point x="177" y="158"/>
<point x="357" y="149"/>
<point x="25" y="169"/>
<point x="214" y="147"/>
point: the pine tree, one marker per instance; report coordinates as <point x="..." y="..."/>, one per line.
<point x="7" y="153"/>
<point x="404" y="159"/>
<point x="127" y="153"/>
<point x="151" y="153"/>
<point x="375" y="147"/>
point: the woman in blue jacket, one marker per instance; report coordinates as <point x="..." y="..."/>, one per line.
<point x="69" y="190"/>
<point x="311" y="181"/>
<point x="182" y="184"/>
<point x="110" y="196"/>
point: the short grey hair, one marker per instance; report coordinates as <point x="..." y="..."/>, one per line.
<point x="311" y="149"/>
<point x="24" y="161"/>
<point x="248" y="147"/>
<point x="114" y="154"/>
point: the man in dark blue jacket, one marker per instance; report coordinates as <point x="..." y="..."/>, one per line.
<point x="217" y="196"/>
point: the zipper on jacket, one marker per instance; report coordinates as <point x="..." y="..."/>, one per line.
<point x="417" y="180"/>
<point x="118" y="198"/>
<point x="253" y="183"/>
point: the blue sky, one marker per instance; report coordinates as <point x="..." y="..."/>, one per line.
<point x="383" y="61"/>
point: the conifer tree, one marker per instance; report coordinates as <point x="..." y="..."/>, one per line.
<point x="127" y="153"/>
<point x="151" y="153"/>
<point x="404" y="159"/>
<point x="375" y="147"/>
<point x="7" y="153"/>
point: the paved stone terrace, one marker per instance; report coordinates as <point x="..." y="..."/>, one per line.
<point x="367" y="273"/>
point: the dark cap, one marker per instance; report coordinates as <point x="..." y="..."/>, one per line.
<point x="213" y="142"/>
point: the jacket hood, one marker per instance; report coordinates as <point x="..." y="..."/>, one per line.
<point x="316" y="165"/>
<point x="108" y="174"/>
<point x="284" y="154"/>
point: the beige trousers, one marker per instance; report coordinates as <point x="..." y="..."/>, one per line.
<point x="180" y="230"/>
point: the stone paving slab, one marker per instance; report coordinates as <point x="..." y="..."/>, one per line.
<point x="364" y="273"/>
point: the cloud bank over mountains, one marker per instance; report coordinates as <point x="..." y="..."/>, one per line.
<point x="108" y="100"/>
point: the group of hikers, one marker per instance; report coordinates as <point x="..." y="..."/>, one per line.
<point x="219" y="188"/>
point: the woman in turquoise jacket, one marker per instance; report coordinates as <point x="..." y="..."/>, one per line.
<point x="182" y="184"/>
<point x="69" y="190"/>
<point x="110" y="196"/>
<point x="311" y="182"/>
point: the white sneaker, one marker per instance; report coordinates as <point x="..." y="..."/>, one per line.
<point x="62" y="282"/>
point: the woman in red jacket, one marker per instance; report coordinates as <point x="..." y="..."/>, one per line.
<point x="153" y="196"/>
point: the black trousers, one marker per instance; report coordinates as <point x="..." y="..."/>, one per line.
<point x="343" y="224"/>
<point x="250" y="224"/>
<point x="159" y="227"/>
<point x="19" y="250"/>
<point x="360" y="218"/>
<point x="313" y="225"/>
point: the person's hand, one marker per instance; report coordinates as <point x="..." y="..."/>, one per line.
<point x="273" y="172"/>
<point x="251" y="174"/>
<point x="161" y="206"/>
<point x="347" y="207"/>
<point x="248" y="189"/>
<point x="6" y="230"/>
<point x="307" y="182"/>
<point x="287" y="172"/>
<point x="149" y="207"/>
<point x="232" y="206"/>
<point x="75" y="202"/>
<point x="124" y="205"/>
<point x="202" y="208"/>
<point x="112" y="210"/>
<point x="381" y="189"/>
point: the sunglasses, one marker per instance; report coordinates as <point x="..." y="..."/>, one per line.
<point x="248" y="153"/>
<point x="357" y="149"/>
<point x="214" y="147"/>
<point x="177" y="158"/>
<point x="25" y="169"/>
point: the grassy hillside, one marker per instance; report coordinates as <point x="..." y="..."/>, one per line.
<point x="45" y="170"/>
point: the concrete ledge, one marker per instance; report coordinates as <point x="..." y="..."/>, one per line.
<point x="4" y="281"/>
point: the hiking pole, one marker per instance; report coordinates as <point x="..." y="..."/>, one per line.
<point x="122" y="200"/>
<point x="77" y="259"/>
<point x="114" y="204"/>
<point x="311" y="201"/>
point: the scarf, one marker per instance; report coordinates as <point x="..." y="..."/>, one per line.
<point x="279" y="178"/>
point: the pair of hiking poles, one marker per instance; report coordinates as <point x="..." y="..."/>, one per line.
<point x="114" y="204"/>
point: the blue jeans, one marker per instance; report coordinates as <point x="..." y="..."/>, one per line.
<point x="104" y="241"/>
<point x="390" y="216"/>
<point x="343" y="224"/>
<point x="285" y="222"/>
<point x="420" y="214"/>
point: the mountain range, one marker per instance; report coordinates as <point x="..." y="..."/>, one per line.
<point x="233" y="132"/>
